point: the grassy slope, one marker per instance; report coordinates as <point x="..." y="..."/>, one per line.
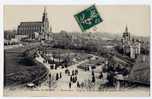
<point x="17" y="73"/>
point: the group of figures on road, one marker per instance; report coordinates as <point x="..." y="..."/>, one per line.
<point x="112" y="75"/>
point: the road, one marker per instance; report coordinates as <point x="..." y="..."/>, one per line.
<point x="62" y="84"/>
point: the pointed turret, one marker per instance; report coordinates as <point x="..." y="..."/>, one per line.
<point x="126" y="34"/>
<point x="45" y="9"/>
<point x="45" y="21"/>
<point x="44" y="18"/>
<point x="126" y="29"/>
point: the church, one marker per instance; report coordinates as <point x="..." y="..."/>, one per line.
<point x="30" y="28"/>
<point x="130" y="46"/>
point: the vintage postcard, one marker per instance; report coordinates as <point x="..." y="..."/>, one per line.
<point x="76" y="50"/>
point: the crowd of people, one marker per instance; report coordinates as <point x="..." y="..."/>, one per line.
<point x="111" y="75"/>
<point x="73" y="78"/>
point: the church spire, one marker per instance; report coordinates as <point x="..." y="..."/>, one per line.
<point x="126" y="29"/>
<point x="44" y="18"/>
<point x="126" y="34"/>
<point x="44" y="9"/>
<point x="45" y="21"/>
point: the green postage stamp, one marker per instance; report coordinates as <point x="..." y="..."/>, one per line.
<point x="88" y="18"/>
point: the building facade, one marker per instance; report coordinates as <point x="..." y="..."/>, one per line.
<point x="29" y="28"/>
<point x="130" y="46"/>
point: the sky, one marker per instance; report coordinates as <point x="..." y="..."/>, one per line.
<point x="61" y="17"/>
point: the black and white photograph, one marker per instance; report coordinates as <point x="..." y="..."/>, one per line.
<point x="76" y="50"/>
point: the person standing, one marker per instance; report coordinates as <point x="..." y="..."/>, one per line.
<point x="57" y="76"/>
<point x="70" y="84"/>
<point x="71" y="79"/>
<point x="60" y="75"/>
<point x="78" y="84"/>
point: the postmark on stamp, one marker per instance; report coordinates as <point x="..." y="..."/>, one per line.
<point x="88" y="18"/>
